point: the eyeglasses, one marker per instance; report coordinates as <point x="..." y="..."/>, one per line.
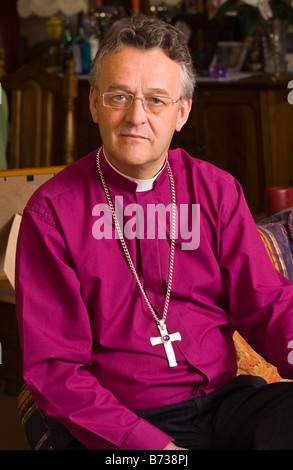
<point x="154" y="104"/>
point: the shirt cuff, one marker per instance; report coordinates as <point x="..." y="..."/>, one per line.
<point x="145" y="436"/>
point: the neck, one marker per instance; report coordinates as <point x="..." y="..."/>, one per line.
<point x="142" y="184"/>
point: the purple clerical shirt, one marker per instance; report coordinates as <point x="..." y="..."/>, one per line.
<point x="85" y="327"/>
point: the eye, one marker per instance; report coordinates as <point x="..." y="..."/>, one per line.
<point x="156" y="101"/>
<point x="119" y="98"/>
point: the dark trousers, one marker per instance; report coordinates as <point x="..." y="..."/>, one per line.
<point x="246" y="413"/>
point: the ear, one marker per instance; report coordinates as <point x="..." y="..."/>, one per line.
<point x="183" y="114"/>
<point x="93" y="104"/>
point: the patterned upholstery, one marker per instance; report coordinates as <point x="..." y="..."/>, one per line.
<point x="277" y="235"/>
<point x="34" y="421"/>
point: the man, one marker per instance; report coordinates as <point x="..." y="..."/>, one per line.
<point x="128" y="295"/>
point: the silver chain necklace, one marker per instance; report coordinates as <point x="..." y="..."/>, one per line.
<point x="165" y="338"/>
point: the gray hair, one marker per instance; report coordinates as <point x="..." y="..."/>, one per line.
<point x="147" y="32"/>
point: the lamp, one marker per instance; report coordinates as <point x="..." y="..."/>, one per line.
<point x="48" y="8"/>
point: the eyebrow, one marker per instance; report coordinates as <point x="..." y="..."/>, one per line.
<point x="152" y="91"/>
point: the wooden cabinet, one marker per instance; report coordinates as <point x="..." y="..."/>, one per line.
<point x="87" y="133"/>
<point x="244" y="127"/>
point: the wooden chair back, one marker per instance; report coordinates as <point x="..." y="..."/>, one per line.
<point x="42" y="116"/>
<point x="16" y="187"/>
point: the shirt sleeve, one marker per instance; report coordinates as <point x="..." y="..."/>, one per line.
<point x="55" y="334"/>
<point x="260" y="299"/>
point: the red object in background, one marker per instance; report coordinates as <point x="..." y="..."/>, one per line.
<point x="135" y="5"/>
<point x="278" y="199"/>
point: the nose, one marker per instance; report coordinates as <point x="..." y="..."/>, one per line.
<point x="136" y="114"/>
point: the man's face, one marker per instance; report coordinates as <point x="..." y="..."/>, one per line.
<point x="136" y="141"/>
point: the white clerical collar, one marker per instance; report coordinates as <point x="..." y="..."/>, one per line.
<point x="142" y="185"/>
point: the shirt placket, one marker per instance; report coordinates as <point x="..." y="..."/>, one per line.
<point x="151" y="253"/>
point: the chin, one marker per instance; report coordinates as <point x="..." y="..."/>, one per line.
<point x="130" y="155"/>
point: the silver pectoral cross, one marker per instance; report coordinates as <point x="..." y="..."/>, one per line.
<point x="166" y="340"/>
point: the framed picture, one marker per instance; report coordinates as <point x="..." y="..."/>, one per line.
<point x="231" y="54"/>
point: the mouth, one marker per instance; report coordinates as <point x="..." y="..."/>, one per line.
<point x="131" y="136"/>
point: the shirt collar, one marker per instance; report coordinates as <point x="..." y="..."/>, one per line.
<point x="127" y="182"/>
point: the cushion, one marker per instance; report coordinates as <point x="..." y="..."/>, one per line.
<point x="36" y="424"/>
<point x="277" y="235"/>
